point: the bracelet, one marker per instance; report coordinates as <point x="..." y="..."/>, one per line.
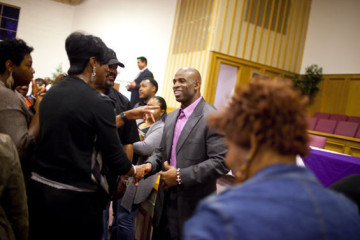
<point x="123" y="116"/>
<point x="134" y="170"/>
<point x="178" y="178"/>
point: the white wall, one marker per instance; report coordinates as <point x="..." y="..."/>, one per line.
<point x="44" y="25"/>
<point x="333" y="37"/>
<point x="132" y="28"/>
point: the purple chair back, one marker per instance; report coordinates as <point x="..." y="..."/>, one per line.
<point x="354" y="119"/>
<point x="338" y="117"/>
<point x="322" y="115"/>
<point x="357" y="135"/>
<point x="346" y="128"/>
<point x="326" y="126"/>
<point x="317" y="141"/>
<point x="311" y="122"/>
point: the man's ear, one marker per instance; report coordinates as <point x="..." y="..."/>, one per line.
<point x="197" y="85"/>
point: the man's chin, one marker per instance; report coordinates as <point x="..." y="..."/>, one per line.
<point x="110" y="83"/>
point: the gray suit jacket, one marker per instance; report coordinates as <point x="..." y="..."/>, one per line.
<point x="200" y="154"/>
<point x="136" y="195"/>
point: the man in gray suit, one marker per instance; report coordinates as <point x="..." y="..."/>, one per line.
<point x="191" y="157"/>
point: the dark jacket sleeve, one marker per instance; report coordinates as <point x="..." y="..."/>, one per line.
<point x="109" y="143"/>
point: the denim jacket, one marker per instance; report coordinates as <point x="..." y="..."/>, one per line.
<point x="279" y="202"/>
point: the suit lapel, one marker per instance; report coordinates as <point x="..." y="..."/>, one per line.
<point x="191" y="122"/>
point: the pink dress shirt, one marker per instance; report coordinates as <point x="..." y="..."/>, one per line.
<point x="183" y="116"/>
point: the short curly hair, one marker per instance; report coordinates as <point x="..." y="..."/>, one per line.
<point x="14" y="50"/>
<point x="266" y="113"/>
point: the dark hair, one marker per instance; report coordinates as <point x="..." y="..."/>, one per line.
<point x="163" y="106"/>
<point x="14" y="50"/>
<point x="266" y="113"/>
<point x="143" y="59"/>
<point x="80" y="47"/>
<point x="40" y="80"/>
<point x="153" y="82"/>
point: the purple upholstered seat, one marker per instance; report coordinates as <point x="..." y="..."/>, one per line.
<point x="321" y="115"/>
<point x="357" y="135"/>
<point x="326" y="126"/>
<point x="338" y="117"/>
<point x="317" y="141"/>
<point x="348" y="129"/>
<point x="311" y="122"/>
<point x="354" y="119"/>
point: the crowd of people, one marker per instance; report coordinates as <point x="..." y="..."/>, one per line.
<point x="71" y="152"/>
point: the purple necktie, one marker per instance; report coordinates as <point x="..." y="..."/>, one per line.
<point x="181" y="120"/>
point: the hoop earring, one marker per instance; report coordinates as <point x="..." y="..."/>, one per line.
<point x="10" y="81"/>
<point x="93" y="75"/>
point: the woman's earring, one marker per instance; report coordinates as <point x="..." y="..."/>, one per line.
<point x="10" y="81"/>
<point x="93" y="75"/>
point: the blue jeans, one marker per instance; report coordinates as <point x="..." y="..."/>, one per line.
<point x="105" y="234"/>
<point x="123" y="223"/>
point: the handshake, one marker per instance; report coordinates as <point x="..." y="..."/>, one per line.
<point x="138" y="172"/>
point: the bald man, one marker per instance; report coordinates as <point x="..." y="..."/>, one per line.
<point x="190" y="157"/>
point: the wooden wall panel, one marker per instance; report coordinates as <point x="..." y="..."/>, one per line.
<point x="245" y="71"/>
<point x="335" y="100"/>
<point x="353" y="97"/>
<point x="270" y="32"/>
<point x="339" y="93"/>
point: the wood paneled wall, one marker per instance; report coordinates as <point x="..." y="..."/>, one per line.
<point x="339" y="93"/>
<point x="267" y="32"/>
<point x="246" y="69"/>
<point x="270" y="32"/>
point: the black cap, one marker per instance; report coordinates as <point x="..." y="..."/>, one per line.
<point x="113" y="59"/>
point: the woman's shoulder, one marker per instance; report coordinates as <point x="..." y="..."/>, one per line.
<point x="157" y="126"/>
<point x="8" y="98"/>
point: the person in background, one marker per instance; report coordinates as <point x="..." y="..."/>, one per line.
<point x="40" y="83"/>
<point x="48" y="83"/>
<point x="15" y="118"/>
<point x="14" y="216"/>
<point x="134" y="86"/>
<point x="265" y="128"/>
<point x="30" y="100"/>
<point x="148" y="89"/>
<point x="127" y="133"/>
<point x="126" y="208"/>
<point x="191" y="157"/>
<point x="68" y="192"/>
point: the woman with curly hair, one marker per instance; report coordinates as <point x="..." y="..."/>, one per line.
<point x="265" y="129"/>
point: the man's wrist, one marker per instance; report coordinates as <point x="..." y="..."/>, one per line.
<point x="134" y="174"/>
<point x="123" y="116"/>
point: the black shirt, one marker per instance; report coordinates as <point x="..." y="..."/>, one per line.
<point x="128" y="132"/>
<point x="72" y="115"/>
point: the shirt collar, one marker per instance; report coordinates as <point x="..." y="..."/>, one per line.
<point x="143" y="69"/>
<point x="190" y="109"/>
